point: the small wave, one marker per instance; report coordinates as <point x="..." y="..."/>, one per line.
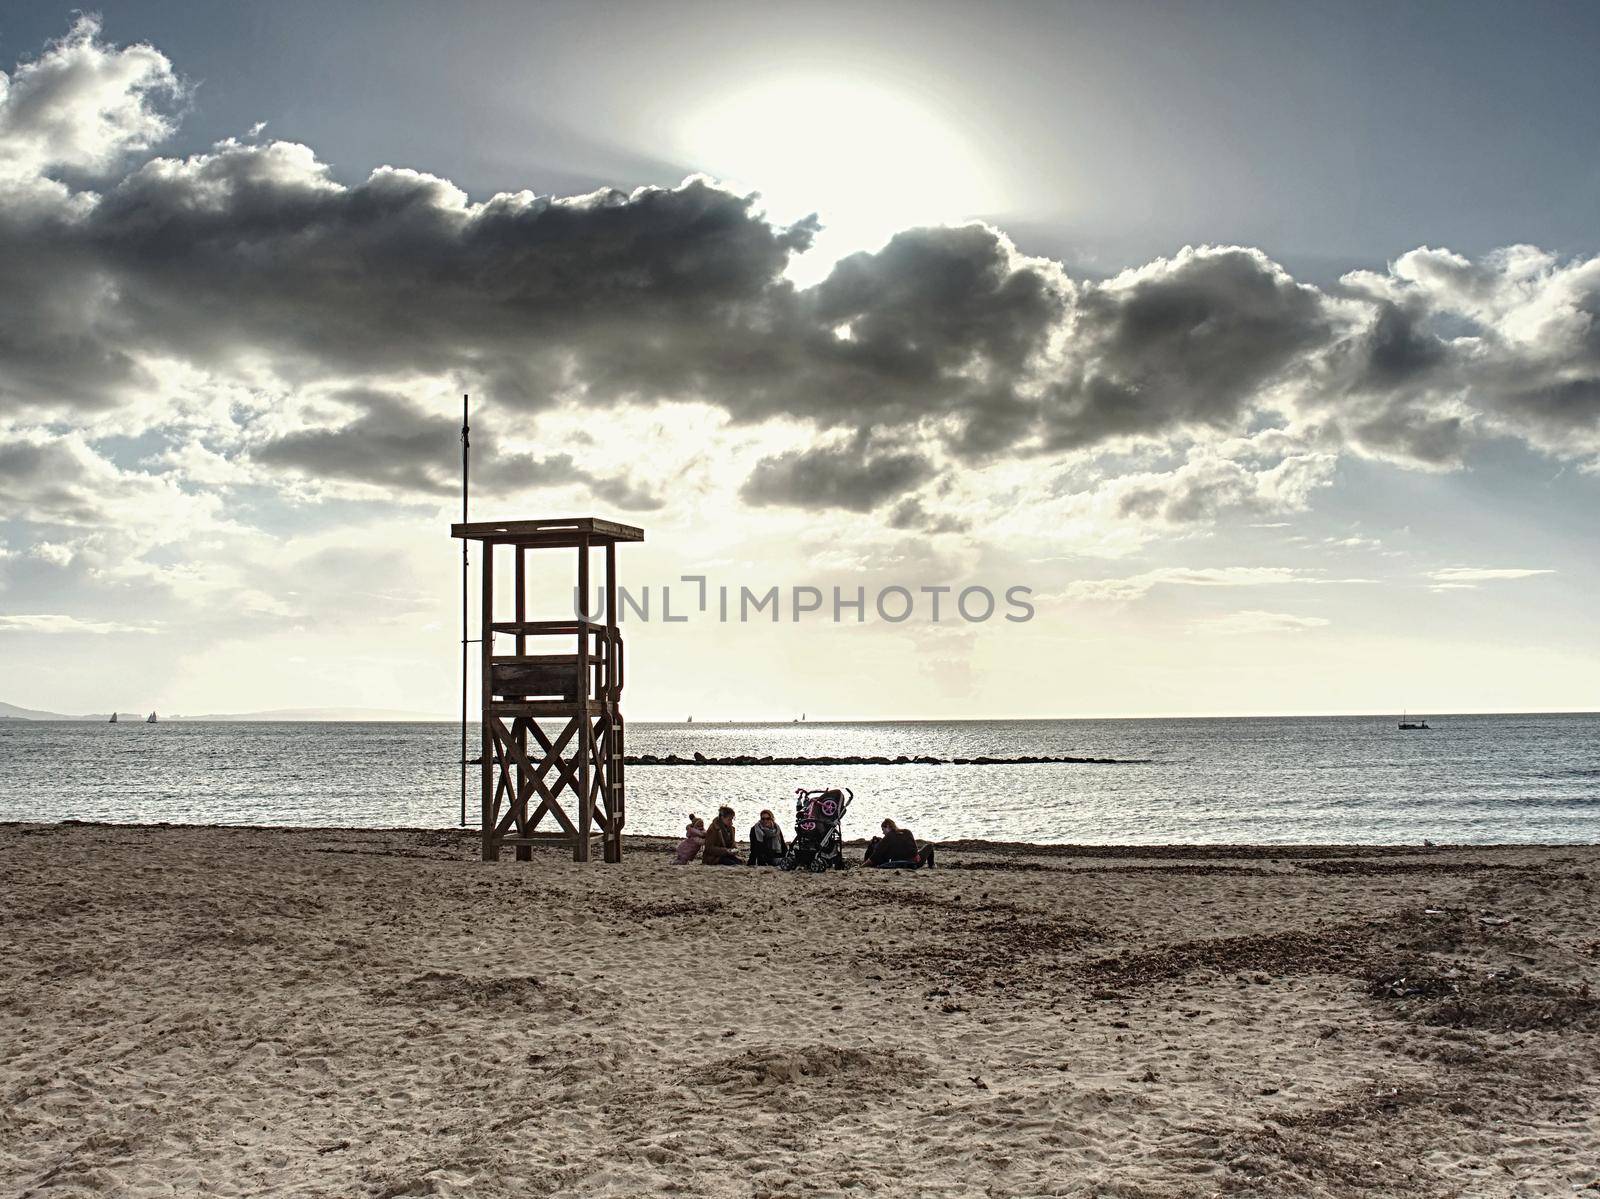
<point x="1559" y="801"/>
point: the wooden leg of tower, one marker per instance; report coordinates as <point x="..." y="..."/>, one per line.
<point x="580" y="851"/>
<point x="524" y="783"/>
<point x="491" y="842"/>
<point x="619" y="799"/>
<point x="519" y="728"/>
<point x="611" y="787"/>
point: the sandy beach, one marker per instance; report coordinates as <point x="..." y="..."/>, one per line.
<point x="339" y="1012"/>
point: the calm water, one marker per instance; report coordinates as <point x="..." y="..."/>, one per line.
<point x="1348" y="779"/>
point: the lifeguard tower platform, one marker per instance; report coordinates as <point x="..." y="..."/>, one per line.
<point x="566" y="672"/>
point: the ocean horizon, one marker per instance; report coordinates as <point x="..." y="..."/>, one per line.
<point x="1468" y="779"/>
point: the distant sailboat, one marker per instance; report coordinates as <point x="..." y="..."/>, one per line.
<point x="1407" y="725"/>
<point x="690" y="720"/>
<point x="150" y="719"/>
<point x="113" y="719"/>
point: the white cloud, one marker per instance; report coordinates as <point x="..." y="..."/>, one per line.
<point x="1483" y="574"/>
<point x="1253" y="621"/>
<point x="63" y="481"/>
<point x="53" y="552"/>
<point x="1353" y="543"/>
<point x="83" y="105"/>
<point x="1467" y="578"/>
<point x="59" y="623"/>
<point x="1134" y="587"/>
<point x="1210" y="485"/>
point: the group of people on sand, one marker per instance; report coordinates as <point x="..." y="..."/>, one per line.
<point x="717" y="844"/>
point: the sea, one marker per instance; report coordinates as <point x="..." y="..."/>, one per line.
<point x="1477" y="779"/>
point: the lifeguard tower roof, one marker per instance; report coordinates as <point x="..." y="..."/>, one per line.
<point x="551" y="532"/>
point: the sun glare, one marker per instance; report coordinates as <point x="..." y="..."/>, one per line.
<point x="868" y="160"/>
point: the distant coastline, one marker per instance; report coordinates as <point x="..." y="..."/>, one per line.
<point x="325" y="715"/>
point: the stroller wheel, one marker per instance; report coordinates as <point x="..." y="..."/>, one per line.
<point x="818" y="865"/>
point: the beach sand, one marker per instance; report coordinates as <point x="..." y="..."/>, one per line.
<point x="342" y="1012"/>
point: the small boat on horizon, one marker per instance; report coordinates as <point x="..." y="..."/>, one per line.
<point x="113" y="719"/>
<point x="150" y="719"/>
<point x="1406" y="724"/>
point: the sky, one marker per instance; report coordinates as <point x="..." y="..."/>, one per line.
<point x="1250" y="352"/>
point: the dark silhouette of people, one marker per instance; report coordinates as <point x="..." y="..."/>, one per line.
<point x="897" y="849"/>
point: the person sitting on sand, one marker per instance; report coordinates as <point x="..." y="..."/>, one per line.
<point x="694" y="840"/>
<point x="897" y="849"/>
<point x="766" y="841"/>
<point x="720" y="841"/>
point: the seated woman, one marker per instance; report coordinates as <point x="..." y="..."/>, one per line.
<point x="694" y="839"/>
<point x="897" y="849"/>
<point x="720" y="841"/>
<point x="767" y="845"/>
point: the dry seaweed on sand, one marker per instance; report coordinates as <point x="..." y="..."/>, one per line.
<point x="990" y="943"/>
<point x="1327" y="949"/>
<point x="1466" y="996"/>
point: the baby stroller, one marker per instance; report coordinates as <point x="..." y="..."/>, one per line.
<point x="818" y="843"/>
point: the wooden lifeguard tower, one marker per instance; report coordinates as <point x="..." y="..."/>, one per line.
<point x="568" y="670"/>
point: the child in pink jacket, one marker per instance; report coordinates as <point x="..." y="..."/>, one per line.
<point x="694" y="839"/>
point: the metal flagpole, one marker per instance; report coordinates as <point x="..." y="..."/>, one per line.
<point x="466" y="446"/>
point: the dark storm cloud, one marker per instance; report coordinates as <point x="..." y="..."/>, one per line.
<point x="1394" y="350"/>
<point x="856" y="477"/>
<point x="43" y="481"/>
<point x="252" y="251"/>
<point x="1185" y="342"/>
<point x="396" y="444"/>
<point x="389" y="444"/>
<point x="936" y="323"/>
<point x="911" y="514"/>
<point x="253" y="257"/>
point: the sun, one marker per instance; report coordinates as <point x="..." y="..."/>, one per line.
<point x="868" y="159"/>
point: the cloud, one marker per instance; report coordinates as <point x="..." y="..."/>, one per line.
<point x="1137" y="586"/>
<point x="1191" y="342"/>
<point x="397" y="446"/>
<point x="57" y="623"/>
<point x="1251" y="622"/>
<point x="856" y="477"/>
<point x="62" y="481"/>
<point x="252" y="254"/>
<point x="84" y="106"/>
<point x="1522" y="359"/>
<point x="1353" y="542"/>
<point x="1479" y="574"/>
<point x="1466" y="578"/>
<point x="253" y="266"/>
<point x="1209" y="486"/>
<point x="911" y="513"/>
<point x="943" y="325"/>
